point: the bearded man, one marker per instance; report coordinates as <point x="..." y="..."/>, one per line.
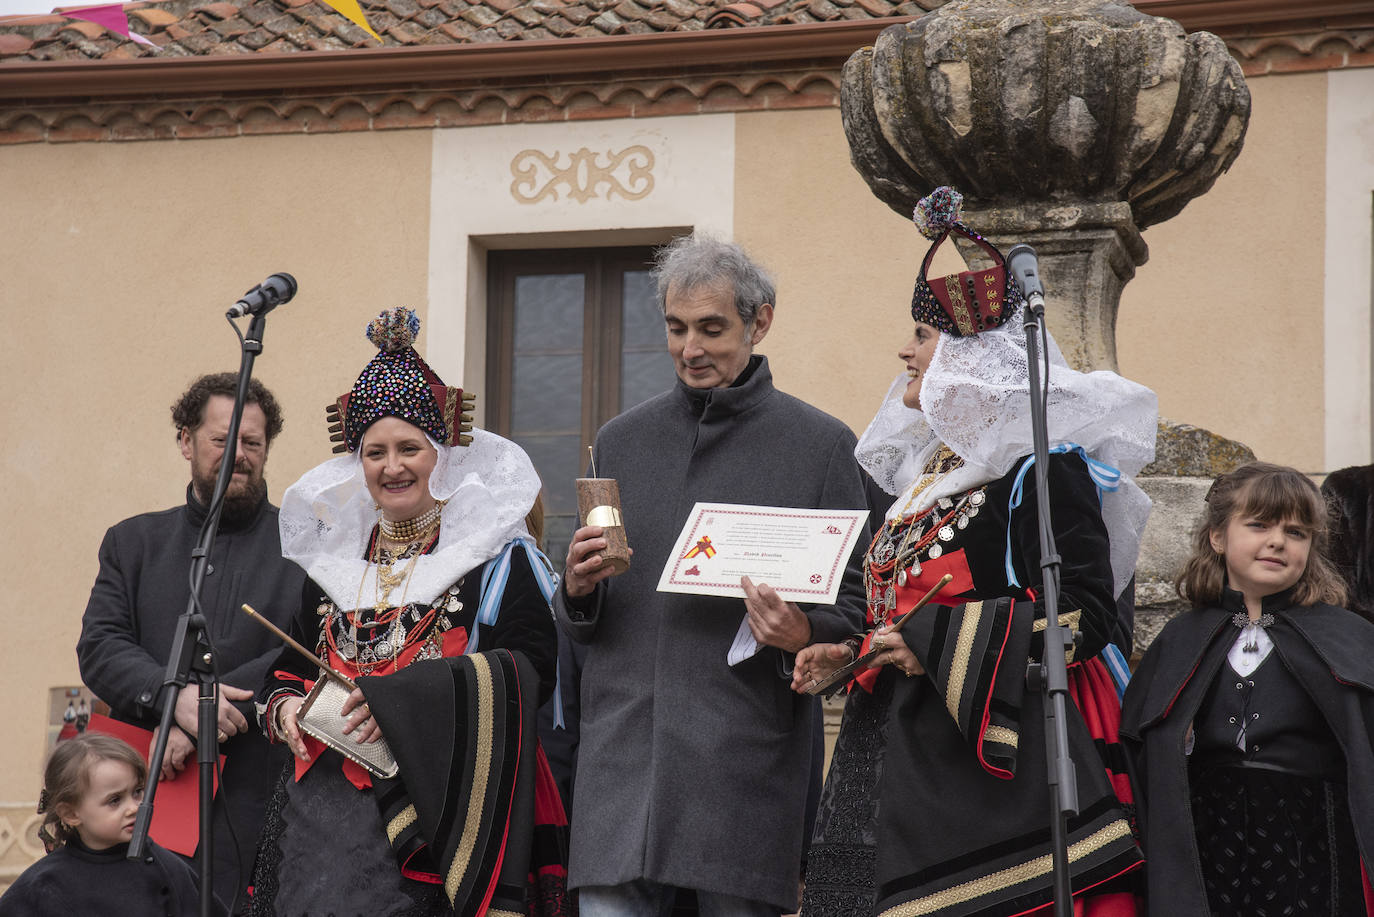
<point x="143" y="588"/>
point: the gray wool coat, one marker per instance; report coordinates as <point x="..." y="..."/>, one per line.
<point x="692" y="772"/>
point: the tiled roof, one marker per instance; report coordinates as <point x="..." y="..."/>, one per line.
<point x="217" y="27"/>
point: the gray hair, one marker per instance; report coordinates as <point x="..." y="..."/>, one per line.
<point x="700" y="260"/>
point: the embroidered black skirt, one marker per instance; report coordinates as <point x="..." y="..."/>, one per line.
<point x="324" y="853"/>
<point x="1272" y="843"/>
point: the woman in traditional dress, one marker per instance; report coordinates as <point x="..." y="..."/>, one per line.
<point x="424" y="588"/>
<point x="936" y="801"/>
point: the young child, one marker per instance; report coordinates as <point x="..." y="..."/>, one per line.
<point x="92" y="788"/>
<point x="1248" y="722"/>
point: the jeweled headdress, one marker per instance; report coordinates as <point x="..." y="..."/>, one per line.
<point x="399" y="383"/>
<point x="968" y="302"/>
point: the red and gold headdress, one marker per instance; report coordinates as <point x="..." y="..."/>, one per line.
<point x="968" y="302"/>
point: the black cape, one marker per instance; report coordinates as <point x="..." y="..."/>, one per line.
<point x="1331" y="653"/>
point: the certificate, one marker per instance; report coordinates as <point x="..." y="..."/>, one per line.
<point x="801" y="553"/>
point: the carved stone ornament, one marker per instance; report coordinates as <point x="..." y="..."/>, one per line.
<point x="628" y="173"/>
<point x="1054" y="101"/>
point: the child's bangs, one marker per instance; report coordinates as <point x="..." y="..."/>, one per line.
<point x="1283" y="497"/>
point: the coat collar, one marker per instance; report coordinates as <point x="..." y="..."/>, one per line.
<point x="754" y="384"/>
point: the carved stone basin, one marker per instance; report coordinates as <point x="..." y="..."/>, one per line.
<point x="1053" y="101"/>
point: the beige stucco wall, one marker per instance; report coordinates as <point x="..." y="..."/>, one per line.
<point x="1225" y="319"/>
<point x="845" y="262"/>
<point x="120" y="260"/>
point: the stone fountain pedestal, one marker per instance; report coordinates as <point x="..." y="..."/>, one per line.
<point x="1068" y="125"/>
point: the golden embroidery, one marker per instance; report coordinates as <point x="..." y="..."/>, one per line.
<point x="958" y="305"/>
<point x="462" y="857"/>
<point x="1001" y="735"/>
<point x="403" y="820"/>
<point x="1068" y="619"/>
<point x="451" y="412"/>
<point x="963" y="646"/>
<point x="1013" y="875"/>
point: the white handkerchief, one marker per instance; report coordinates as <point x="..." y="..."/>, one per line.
<point x="744" y="646"/>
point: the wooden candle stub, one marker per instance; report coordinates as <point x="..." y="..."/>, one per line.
<point x="598" y="503"/>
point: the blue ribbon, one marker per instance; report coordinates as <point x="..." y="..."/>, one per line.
<point x="1104" y="476"/>
<point x="494" y="579"/>
<point x="1116" y="664"/>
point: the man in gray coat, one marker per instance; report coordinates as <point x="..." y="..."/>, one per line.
<point x="693" y="773"/>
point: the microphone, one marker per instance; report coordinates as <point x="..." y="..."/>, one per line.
<point x="265" y="297"/>
<point x="1023" y="266"/>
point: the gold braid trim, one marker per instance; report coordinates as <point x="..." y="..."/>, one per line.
<point x="1068" y="619"/>
<point x="403" y="820"/>
<point x="1012" y="875"/>
<point x="963" y="646"/>
<point x="452" y="398"/>
<point x="462" y="857"/>
<point x="1002" y="736"/>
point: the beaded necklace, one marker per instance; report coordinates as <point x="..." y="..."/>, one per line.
<point x="897" y="546"/>
<point x="368" y="644"/>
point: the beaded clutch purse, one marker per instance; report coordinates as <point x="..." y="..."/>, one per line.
<point x="320" y="717"/>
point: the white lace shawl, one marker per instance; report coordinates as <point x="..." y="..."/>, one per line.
<point x="975" y="397"/>
<point x="327" y="517"/>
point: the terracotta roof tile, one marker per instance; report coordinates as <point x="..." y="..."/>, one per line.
<point x="220" y="10"/>
<point x="257" y="13"/>
<point x="151" y="18"/>
<point x="431" y="19"/>
<point x="231" y="27"/>
<point x="577" y="14"/>
<point x="226" y="48"/>
<point x="609" y="22"/>
<point x="876" y="8"/>
<point x="88" y="30"/>
<point x="197" y="27"/>
<point x="12" y="43"/>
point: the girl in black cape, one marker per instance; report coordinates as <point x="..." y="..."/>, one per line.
<point x="1248" y="720"/>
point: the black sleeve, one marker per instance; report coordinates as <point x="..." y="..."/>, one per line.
<point x="113" y="664"/>
<point x="525" y="623"/>
<point x="1085" y="555"/>
<point x="286" y="675"/>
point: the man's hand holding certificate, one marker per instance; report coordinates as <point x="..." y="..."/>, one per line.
<point x="800" y="553"/>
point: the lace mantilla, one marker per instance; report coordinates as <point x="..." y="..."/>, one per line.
<point x="327" y="518"/>
<point x="976" y="399"/>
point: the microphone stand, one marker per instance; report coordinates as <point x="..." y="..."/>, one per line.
<point x="1050" y="677"/>
<point x="192" y="653"/>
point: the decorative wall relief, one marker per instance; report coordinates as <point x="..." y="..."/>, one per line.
<point x="538" y="175"/>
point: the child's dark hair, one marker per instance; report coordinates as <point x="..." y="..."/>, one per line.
<point x="68" y="776"/>
<point x="1268" y="493"/>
